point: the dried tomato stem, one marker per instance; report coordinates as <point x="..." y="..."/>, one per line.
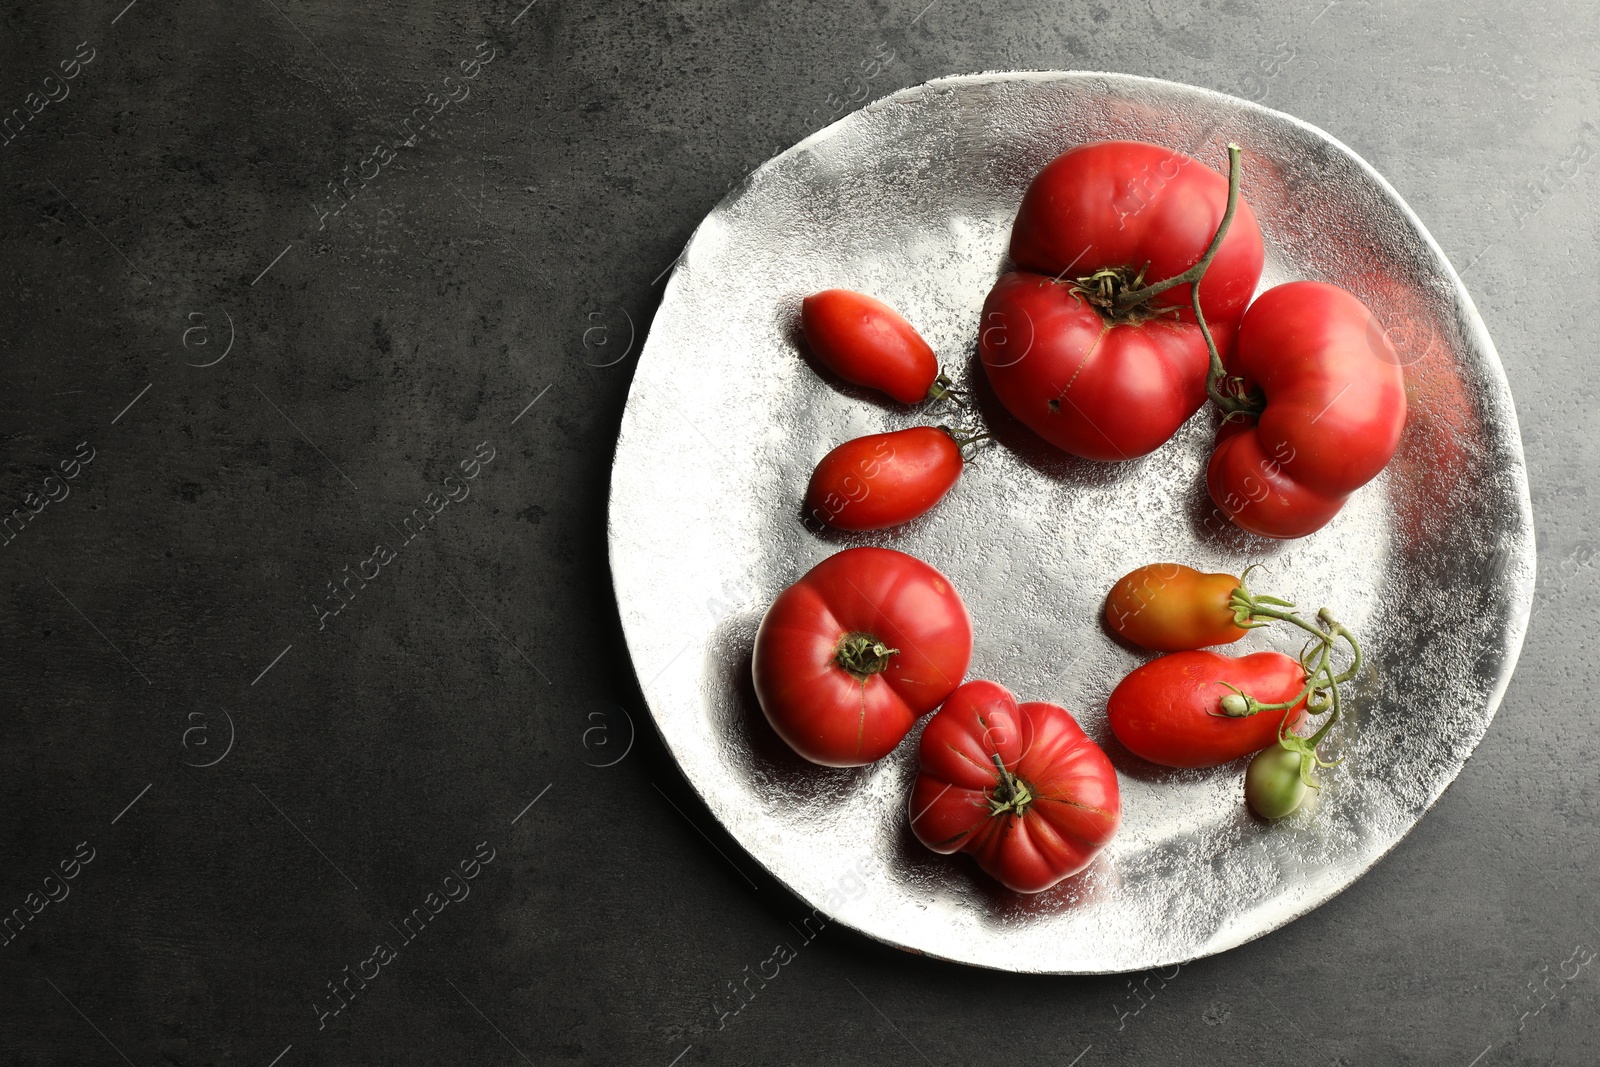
<point x="1011" y="794"/>
<point x="963" y="436"/>
<point x="945" y="389"/>
<point x="863" y="655"/>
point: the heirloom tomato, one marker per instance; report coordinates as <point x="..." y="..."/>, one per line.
<point x="867" y="342"/>
<point x="849" y="656"/>
<point x="1172" y="710"/>
<point x="1092" y="341"/>
<point x="1332" y="404"/>
<point x="1018" y="786"/>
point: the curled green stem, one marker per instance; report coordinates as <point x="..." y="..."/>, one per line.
<point x="1320" y="693"/>
<point x="1338" y="630"/>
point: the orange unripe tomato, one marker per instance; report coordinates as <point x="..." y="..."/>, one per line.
<point x="1168" y="607"/>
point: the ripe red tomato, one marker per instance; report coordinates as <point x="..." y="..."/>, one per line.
<point x="1169" y="710"/>
<point x="867" y="342"/>
<point x="1018" y="786"/>
<point x="1169" y="607"/>
<point x="1335" y="407"/>
<point x="1102" y="381"/>
<point x="884" y="479"/>
<point x="848" y="657"/>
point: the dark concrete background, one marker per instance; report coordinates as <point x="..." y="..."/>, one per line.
<point x="173" y="201"/>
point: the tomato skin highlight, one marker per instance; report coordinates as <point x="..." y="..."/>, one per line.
<point x="1074" y="805"/>
<point x="1335" y="410"/>
<point x="867" y="342"/>
<point x="884" y="479"/>
<point x="822" y="711"/>
<point x="1113" y="389"/>
<point x="1163" y="710"/>
<point x="1167" y="607"/>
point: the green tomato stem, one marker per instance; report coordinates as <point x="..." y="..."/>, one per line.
<point x="1130" y="297"/>
<point x="1321" y="690"/>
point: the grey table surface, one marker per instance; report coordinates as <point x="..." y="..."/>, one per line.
<point x="220" y="795"/>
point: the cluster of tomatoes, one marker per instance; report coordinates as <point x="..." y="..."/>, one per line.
<point x="1102" y="343"/>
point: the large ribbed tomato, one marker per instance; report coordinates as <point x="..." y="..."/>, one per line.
<point x="849" y="656"/>
<point x="1018" y="786"/>
<point x="1335" y="404"/>
<point x="1098" y="224"/>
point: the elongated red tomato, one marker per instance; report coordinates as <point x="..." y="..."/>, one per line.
<point x="1169" y="607"/>
<point x="867" y="342"/>
<point x="1018" y="786"/>
<point x="1090" y="376"/>
<point x="852" y="654"/>
<point x="1335" y="407"/>
<point x="884" y="479"/>
<point x="1169" y="710"/>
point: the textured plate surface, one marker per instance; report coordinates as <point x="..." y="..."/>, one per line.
<point x="911" y="199"/>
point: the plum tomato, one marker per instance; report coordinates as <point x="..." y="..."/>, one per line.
<point x="867" y="342"/>
<point x="1171" y="710"/>
<point x="851" y="655"/>
<point x="884" y="479"/>
<point x="1018" y="786"/>
<point x="1168" y="607"/>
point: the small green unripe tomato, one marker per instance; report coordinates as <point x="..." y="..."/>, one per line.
<point x="1272" y="784"/>
<point x="1235" y="705"/>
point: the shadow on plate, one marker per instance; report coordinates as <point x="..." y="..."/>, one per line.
<point x="1033" y="450"/>
<point x="795" y="339"/>
<point x="755" y="750"/>
<point x="1142" y="770"/>
<point x="1210" y="524"/>
<point x="960" y="874"/>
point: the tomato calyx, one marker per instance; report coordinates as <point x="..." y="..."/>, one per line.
<point x="1121" y="295"/>
<point x="1107" y="291"/>
<point x="1011" y="794"/>
<point x="1307" y="747"/>
<point x="862" y="655"/>
<point x="1253" y="609"/>
<point x="945" y="389"/>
